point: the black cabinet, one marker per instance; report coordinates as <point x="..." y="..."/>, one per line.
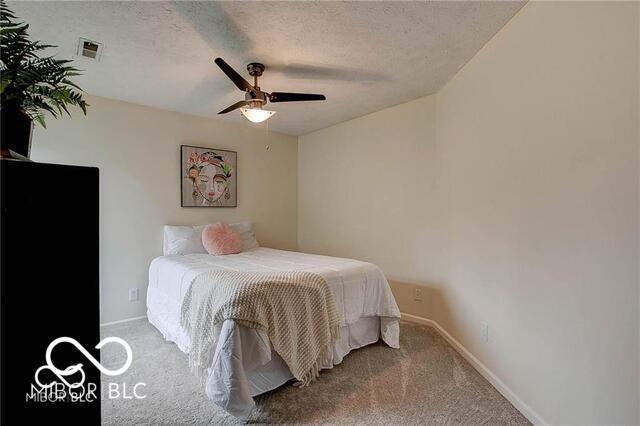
<point x="49" y="289"/>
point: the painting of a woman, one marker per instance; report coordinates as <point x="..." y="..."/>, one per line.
<point x="208" y="177"/>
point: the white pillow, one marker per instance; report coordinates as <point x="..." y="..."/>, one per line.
<point x="180" y="240"/>
<point x="245" y="229"/>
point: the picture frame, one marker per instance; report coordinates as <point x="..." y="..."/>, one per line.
<point x="208" y="177"/>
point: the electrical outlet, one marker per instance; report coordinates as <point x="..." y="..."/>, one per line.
<point x="484" y="331"/>
<point x="134" y="294"/>
<point x="417" y="294"/>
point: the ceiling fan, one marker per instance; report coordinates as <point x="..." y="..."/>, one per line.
<point x="254" y="98"/>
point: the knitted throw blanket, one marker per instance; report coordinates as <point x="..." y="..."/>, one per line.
<point x="295" y="309"/>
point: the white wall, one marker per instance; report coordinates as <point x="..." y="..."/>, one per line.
<point x="137" y="151"/>
<point x="512" y="196"/>
<point x="358" y="187"/>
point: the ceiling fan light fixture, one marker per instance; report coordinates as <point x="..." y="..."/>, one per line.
<point x="256" y="115"/>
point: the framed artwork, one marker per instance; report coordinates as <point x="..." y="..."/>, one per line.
<point x="208" y="177"/>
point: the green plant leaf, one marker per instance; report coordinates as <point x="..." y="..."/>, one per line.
<point x="39" y="118"/>
<point x="38" y="84"/>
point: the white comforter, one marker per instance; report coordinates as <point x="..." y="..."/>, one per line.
<point x="244" y="365"/>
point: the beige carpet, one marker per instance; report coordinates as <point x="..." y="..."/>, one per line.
<point x="424" y="382"/>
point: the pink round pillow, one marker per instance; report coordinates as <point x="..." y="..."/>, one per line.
<point x="219" y="239"/>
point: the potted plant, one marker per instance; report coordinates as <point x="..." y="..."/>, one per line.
<point x="31" y="85"/>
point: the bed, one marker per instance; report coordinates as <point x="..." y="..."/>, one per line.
<point x="244" y="364"/>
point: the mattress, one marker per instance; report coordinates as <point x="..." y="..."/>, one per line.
<point x="244" y="364"/>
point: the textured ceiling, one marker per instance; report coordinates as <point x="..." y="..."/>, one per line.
<point x="364" y="56"/>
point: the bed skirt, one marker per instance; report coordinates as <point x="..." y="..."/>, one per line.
<point x="245" y="366"/>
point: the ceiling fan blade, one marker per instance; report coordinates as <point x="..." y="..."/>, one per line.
<point x="237" y="79"/>
<point x="234" y="106"/>
<point x="294" y="97"/>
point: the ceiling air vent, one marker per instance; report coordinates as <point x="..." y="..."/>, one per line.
<point x="89" y="49"/>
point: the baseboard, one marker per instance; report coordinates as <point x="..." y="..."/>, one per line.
<point x="122" y="321"/>
<point x="514" y="399"/>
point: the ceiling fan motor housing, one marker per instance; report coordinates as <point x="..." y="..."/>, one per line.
<point x="257" y="98"/>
